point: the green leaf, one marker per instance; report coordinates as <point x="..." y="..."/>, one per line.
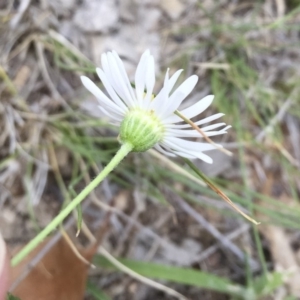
<point x="177" y="274"/>
<point x="9" y="296"/>
<point x="265" y="285"/>
<point x="79" y="217"/>
<point x="94" y="291"/>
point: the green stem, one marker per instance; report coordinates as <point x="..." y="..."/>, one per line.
<point x="123" y="151"/>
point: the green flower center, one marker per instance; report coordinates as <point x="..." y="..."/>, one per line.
<point x="142" y="129"/>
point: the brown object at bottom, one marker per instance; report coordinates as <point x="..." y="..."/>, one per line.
<point x="60" y="275"/>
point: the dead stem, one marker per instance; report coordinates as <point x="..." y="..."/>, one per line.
<point x="180" y="115"/>
<point x="220" y="193"/>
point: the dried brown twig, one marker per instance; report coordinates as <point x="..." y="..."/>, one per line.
<point x="180" y="115"/>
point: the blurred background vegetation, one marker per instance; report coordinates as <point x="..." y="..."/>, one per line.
<point x="153" y="214"/>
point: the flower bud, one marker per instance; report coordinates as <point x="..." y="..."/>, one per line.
<point x="142" y="129"/>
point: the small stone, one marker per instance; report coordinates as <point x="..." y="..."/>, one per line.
<point x="128" y="10"/>
<point x="62" y="8"/>
<point x="97" y="16"/>
<point x="173" y="8"/>
<point x="149" y="18"/>
<point x="182" y="255"/>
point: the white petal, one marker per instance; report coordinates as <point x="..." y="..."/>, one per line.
<point x="200" y="122"/>
<point x="111" y="115"/>
<point x="198" y="107"/>
<point x="204" y="157"/>
<point x="150" y="81"/>
<point x="110" y="90"/>
<point x="111" y="71"/>
<point x="213" y="133"/>
<point x="171" y="82"/>
<point x="166" y="77"/>
<point x="227" y="127"/>
<point x="140" y="78"/>
<point x="120" y="81"/>
<point x="186" y="155"/>
<point x="193" y="110"/>
<point x="188" y="152"/>
<point x="160" y="149"/>
<point x="210" y="118"/>
<point x="106" y="69"/>
<point x="189" y="145"/>
<point x="213" y="126"/>
<point x="91" y="86"/>
<point x="182" y="133"/>
<point x="222" y="131"/>
<point x="161" y="98"/>
<point x="180" y="94"/>
<point x="189" y="133"/>
<point x="199" y="155"/>
<point x="124" y="74"/>
<point x="181" y="153"/>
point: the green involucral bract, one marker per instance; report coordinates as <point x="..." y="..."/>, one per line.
<point x="142" y="129"/>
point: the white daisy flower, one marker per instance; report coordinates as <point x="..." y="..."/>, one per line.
<point x="149" y="121"/>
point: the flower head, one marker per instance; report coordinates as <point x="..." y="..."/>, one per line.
<point x="149" y="121"/>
